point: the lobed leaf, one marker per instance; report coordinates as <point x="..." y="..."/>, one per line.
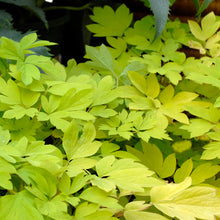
<point x="107" y="21"/>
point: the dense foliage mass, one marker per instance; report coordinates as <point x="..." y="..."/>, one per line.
<point x="133" y="133"/>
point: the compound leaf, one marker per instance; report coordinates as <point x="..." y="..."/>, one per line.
<point x="185" y="202"/>
<point x="23" y="207"/>
<point x="212" y="150"/>
<point x="96" y="195"/>
<point x="203" y="172"/>
<point x="184" y="171"/>
<point x="138" y="215"/>
<point x="108" y="21"/>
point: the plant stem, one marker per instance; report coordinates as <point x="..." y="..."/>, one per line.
<point x="86" y="6"/>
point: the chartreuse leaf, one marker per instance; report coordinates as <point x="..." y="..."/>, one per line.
<point x="91" y="211"/>
<point x="204" y="32"/>
<point x="138" y="215"/>
<point x="19" y="112"/>
<point x="70" y="138"/>
<point x="208" y="113"/>
<point x="4" y="136"/>
<point x="82" y="147"/>
<point x="103" y="184"/>
<point x="184" y="171"/>
<point x="174" y="107"/>
<point x="55" y="208"/>
<point x="148" y="86"/>
<point x="197" y="127"/>
<point x="10" y="93"/>
<point x="102" y="111"/>
<point x="172" y="71"/>
<point x="104" y="92"/>
<point x="51" y="104"/>
<point x="41" y="183"/>
<point x="167" y="94"/>
<point x="80" y="165"/>
<point x="70" y="187"/>
<point x="181" y="146"/>
<point x="119" y="46"/>
<point x="164" y="168"/>
<point x="5" y="180"/>
<point x="85" y="145"/>
<point x="217" y="103"/>
<point x="185" y="202"/>
<point x="23" y="207"/>
<point x="11" y="50"/>
<point x="108" y="21"/>
<point x="103" y="198"/>
<point x="30" y="41"/>
<point x="212" y="150"/>
<point x="133" y="210"/>
<point x="203" y="172"/>
<point x="142" y="34"/>
<point x="125" y="173"/>
<point x="29" y="98"/>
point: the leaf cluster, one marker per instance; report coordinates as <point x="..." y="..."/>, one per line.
<point x="132" y="133"/>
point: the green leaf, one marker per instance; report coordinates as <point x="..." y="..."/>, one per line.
<point x="212" y="150"/>
<point x="23" y="207"/>
<point x="107" y="21"/>
<point x="160" y="9"/>
<point x="185" y="202"/>
<point x="31" y="5"/>
<point x="204" y="5"/>
<point x="203" y="172"/>
<point x="101" y="58"/>
<point x="184" y="171"/>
